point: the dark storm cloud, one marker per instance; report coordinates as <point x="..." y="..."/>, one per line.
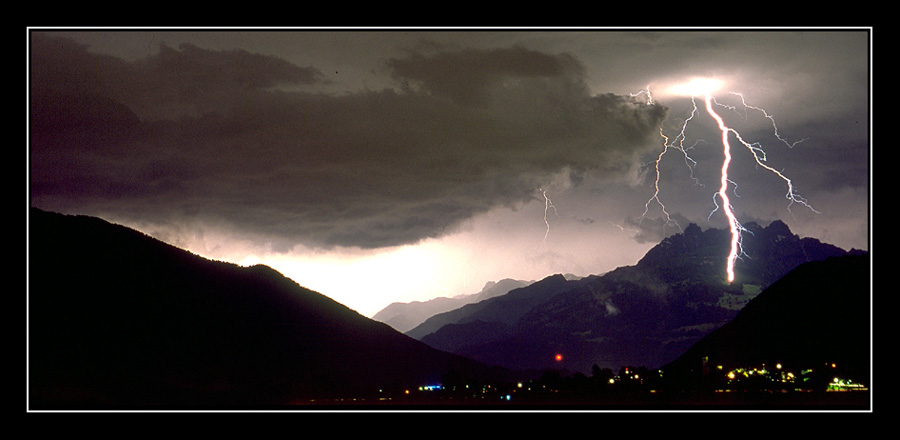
<point x="230" y="138"/>
<point x="469" y="76"/>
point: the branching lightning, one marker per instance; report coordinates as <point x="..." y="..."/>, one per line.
<point x="645" y="92"/>
<point x="770" y="118"/>
<point x="704" y="88"/>
<point x="678" y="144"/>
<point x="655" y="197"/>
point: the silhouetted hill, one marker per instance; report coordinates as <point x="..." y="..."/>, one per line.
<point x="118" y="318"/>
<point x="405" y="316"/>
<point x="817" y="314"/>
<point x="642" y="315"/>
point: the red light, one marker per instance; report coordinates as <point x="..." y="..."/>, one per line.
<point x="558" y="357"/>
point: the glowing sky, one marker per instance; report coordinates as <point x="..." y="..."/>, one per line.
<point x="396" y="165"/>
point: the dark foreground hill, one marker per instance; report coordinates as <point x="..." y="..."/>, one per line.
<point x="816" y="317"/>
<point x="118" y="318"/>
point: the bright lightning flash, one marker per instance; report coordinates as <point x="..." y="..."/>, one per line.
<point x="705" y="87"/>
<point x="733" y="224"/>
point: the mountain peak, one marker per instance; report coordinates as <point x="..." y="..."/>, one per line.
<point x="692" y="230"/>
<point x="767" y="252"/>
<point x="778" y="227"/>
<point x="488" y="285"/>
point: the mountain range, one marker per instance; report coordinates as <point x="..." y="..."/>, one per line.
<point x="119" y="319"/>
<point x="642" y="315"/>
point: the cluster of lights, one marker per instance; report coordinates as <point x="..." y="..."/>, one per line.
<point x="777" y="375"/>
<point x="838" y="384"/>
<point x="780" y="375"/>
<point x="629" y="375"/>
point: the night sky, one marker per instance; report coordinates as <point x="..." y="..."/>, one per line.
<point x="396" y="164"/>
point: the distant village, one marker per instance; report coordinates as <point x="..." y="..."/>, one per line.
<point x="634" y="386"/>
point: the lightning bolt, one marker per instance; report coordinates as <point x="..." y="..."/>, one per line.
<point x="547" y="205"/>
<point x="759" y="155"/>
<point x="733" y="225"/>
<point x="655" y="196"/>
<point x="645" y="92"/>
<point x="678" y="144"/>
<point x="697" y="88"/>
<point x="770" y="118"/>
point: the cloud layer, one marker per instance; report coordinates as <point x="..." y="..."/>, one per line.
<point x="241" y="141"/>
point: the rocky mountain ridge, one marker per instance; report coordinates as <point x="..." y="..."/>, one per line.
<point x="646" y="314"/>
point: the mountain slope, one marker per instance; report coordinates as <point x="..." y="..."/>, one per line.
<point x="118" y="318"/>
<point x="406" y="316"/>
<point x="506" y="308"/>
<point x="641" y="315"/>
